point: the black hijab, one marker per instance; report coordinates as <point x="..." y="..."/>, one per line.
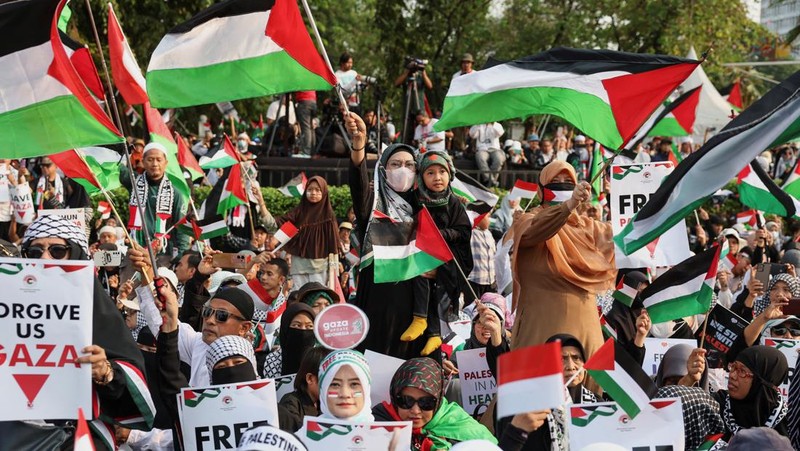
<point x="295" y="342"/>
<point x="576" y="392"/>
<point x="769" y="369"/>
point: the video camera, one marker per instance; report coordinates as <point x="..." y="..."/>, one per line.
<point x="415" y="64"/>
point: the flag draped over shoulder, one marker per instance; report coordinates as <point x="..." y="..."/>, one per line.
<point x="236" y="49"/>
<point x="757" y="190"/>
<point x="606" y="94"/>
<point x="772" y="120"/>
<point x="46" y="107"/>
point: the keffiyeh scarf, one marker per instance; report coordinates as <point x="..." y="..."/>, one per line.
<point x="229" y="346"/>
<point x="52" y="226"/>
<point x="41" y="187"/>
<point x="164" y="202"/>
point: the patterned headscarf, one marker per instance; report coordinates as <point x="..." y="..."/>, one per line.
<point x="327" y="371"/>
<point x="53" y="226"/>
<point x="420" y="372"/>
<point x="230" y="346"/>
<point x="701" y="416"/>
<point x="426" y="160"/>
<point x="792" y="282"/>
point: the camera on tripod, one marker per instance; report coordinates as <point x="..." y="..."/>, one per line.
<point x="367" y="80"/>
<point x="415" y="64"/>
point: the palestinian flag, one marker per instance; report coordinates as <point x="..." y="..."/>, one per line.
<point x="236" y="49"/>
<point x="711" y="442"/>
<point x="733" y="95"/>
<point x="187" y="160"/>
<point x="675" y="156"/>
<point x="551" y="197"/>
<point x="536" y="385"/>
<point x="83" y="436"/>
<point x="726" y="258"/>
<point x="606" y="94"/>
<point x="46" y="104"/>
<point x="621" y="377"/>
<point x="262" y="300"/>
<point x="772" y="120"/>
<point x="233" y="193"/>
<point x="678" y="117"/>
<point x="124" y="68"/>
<point x="480" y="200"/>
<point x="82" y="61"/>
<point x="757" y="190"/>
<point x="404" y="250"/>
<point x="749" y="218"/>
<point x="523" y="190"/>
<point x="104" y="208"/>
<point x="685" y="289"/>
<point x="792" y="183"/>
<point x="625" y="293"/>
<point x="352" y="257"/>
<point x="608" y="331"/>
<point x="286" y="232"/>
<point x="204" y="230"/>
<point x="295" y="187"/>
<point x="225" y="157"/>
<point x="95" y="168"/>
<point x="161" y="134"/>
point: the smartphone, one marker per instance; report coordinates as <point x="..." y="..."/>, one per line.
<point x="235" y="261"/>
<point x="793" y="308"/>
<point x="107" y="258"/>
<point x="763" y="271"/>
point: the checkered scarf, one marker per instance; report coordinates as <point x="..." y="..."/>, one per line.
<point x="53" y="226"/>
<point x="794" y="287"/>
<point x="229" y="346"/>
<point x="327" y="371"/>
<point x="701" y="416"/>
<point x="164" y="201"/>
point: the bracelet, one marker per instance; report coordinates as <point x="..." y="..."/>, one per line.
<point x="105" y="379"/>
<point x="359" y="150"/>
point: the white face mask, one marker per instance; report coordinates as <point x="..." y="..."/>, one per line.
<point x="400" y="179"/>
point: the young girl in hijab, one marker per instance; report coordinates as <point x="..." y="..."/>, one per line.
<point x="317" y="236"/>
<point x="435" y="172"/>
<point x="344" y="387"/>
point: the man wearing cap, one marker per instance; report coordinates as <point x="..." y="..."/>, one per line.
<point x="162" y="204"/>
<point x="466" y="65"/>
<point x="54" y="192"/>
<point x="489" y="156"/>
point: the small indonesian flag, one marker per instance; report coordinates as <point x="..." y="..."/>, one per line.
<point x="83" y="437"/>
<point x="556" y="197"/>
<point x="284" y="234"/>
<point x="621" y="377"/>
<point x="135" y="219"/>
<point x="529" y="379"/>
<point x="523" y="190"/>
<point x="104" y="208"/>
<point x="625" y="293"/>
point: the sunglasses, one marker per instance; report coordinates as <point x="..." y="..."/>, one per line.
<point x="220" y="315"/>
<point x="57" y="251"/>
<point x="406" y="402"/>
<point x="781" y="330"/>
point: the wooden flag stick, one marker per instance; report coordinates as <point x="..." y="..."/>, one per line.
<point x="324" y="54"/>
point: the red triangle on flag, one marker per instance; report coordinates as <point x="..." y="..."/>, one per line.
<point x="429" y="238"/>
<point x="651" y="246"/>
<point x="31" y="385"/>
<point x="603" y="358"/>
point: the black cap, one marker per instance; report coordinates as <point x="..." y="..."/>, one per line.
<point x="715" y="220"/>
<point x="239" y="299"/>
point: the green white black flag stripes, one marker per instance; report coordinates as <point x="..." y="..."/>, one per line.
<point x="606" y="94"/>
<point x="757" y="190"/>
<point x="772" y="120"/>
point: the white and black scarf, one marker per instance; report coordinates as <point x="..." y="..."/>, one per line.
<point x="777" y="415"/>
<point x="41" y="187"/>
<point x="164" y="203"/>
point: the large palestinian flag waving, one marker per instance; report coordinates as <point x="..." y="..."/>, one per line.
<point x="606" y="94"/>
<point x="772" y="120"/>
<point x="236" y="49"/>
<point x="45" y="107"/>
<point x="678" y="117"/>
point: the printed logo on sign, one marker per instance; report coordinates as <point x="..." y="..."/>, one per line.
<point x="29" y="280"/>
<point x="227" y="400"/>
<point x="358" y="439"/>
<point x="624" y="419"/>
<point x="647" y="175"/>
<point x="583" y="416"/>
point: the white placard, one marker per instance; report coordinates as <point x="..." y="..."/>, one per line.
<point x="631" y="187"/>
<point x="605" y="422"/>
<point x="789" y="348"/>
<point x="654" y="349"/>
<point x="22" y="203"/>
<point x="76" y="215"/>
<point x="216" y="417"/>
<point x="284" y="385"/>
<point x="327" y="435"/>
<point x="45" y="322"/>
<point x="478" y="385"/>
<point x="382" y="367"/>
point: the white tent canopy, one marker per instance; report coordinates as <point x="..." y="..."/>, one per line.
<point x="713" y="111"/>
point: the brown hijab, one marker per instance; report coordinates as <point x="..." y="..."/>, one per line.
<point x="318" y="233"/>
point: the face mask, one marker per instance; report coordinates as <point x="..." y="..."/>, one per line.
<point x="242" y="144"/>
<point x="295" y="343"/>
<point x="400" y="179"/>
<point x="556" y="193"/>
<point x="242" y="372"/>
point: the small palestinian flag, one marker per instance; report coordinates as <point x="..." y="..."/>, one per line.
<point x="480" y="200"/>
<point x="624" y="292"/>
<point x="792" y="183"/>
<point x="608" y="331"/>
<point x="749" y="218"/>
<point x="295" y="187"/>
<point x="352" y="256"/>
<point x="204" y="230"/>
<point x="523" y="190"/>
<point x="606" y="94"/>
<point x="727" y="260"/>
<point x="733" y="94"/>
<point x="233" y="193"/>
<point x="685" y="289"/>
<point x="536" y="385"/>
<point x="104" y="208"/>
<point x="757" y="190"/>
<point x="93" y="167"/>
<point x="552" y="197"/>
<point x="621" y="377"/>
<point x="274" y="54"/>
<point x="225" y="157"/>
<point x="712" y="443"/>
<point x="286" y="232"/>
<point x="678" y="117"/>
<point x="402" y="251"/>
<point x="187" y="160"/>
<point x="83" y="436"/>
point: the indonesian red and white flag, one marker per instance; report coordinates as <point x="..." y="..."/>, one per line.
<point x="523" y="190"/>
<point x="104" y="208"/>
<point x="286" y="232"/>
<point x="529" y="379"/>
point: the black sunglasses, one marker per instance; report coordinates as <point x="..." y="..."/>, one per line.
<point x="781" y="330"/>
<point x="426" y="403"/>
<point x="57" y="251"/>
<point x="220" y="315"/>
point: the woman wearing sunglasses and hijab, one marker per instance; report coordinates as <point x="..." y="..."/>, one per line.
<point x="417" y="396"/>
<point x="115" y="360"/>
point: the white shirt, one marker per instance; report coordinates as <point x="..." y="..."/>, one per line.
<point x="192" y="351"/>
<point x="487" y="136"/>
<point x="272" y="111"/>
<point x="425" y="132"/>
<point x="349" y="83"/>
<point x="460" y="73"/>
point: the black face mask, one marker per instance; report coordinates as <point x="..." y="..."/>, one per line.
<point x="242" y="372"/>
<point x="565" y="186"/>
<point x="295" y="343"/>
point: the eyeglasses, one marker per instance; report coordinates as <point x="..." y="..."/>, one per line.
<point x="406" y="402"/>
<point x="781" y="330"/>
<point x="220" y="315"/>
<point x="400" y="164"/>
<point x="57" y="251"/>
<point x="45" y="165"/>
<point x="741" y="371"/>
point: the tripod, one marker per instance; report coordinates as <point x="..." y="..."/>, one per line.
<point x="284" y="101"/>
<point x="412" y="95"/>
<point x="332" y="119"/>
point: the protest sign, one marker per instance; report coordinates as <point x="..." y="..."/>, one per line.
<point x="320" y="434"/>
<point x="790" y="349"/>
<point x="655" y="348"/>
<point x="341" y="326"/>
<point x="76" y="215"/>
<point x="284" y="385"/>
<point x="215" y="417"/>
<point x="382" y="367"/>
<point x="724" y="327"/>
<point x="660" y="428"/>
<point x="45" y="322"/>
<point x="478" y="385"/>
<point x="5" y="184"/>
<point x="22" y="203"/>
<point x="631" y="187"/>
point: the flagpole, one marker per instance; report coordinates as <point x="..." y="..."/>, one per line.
<point x="313" y="23"/>
<point x="247" y="195"/>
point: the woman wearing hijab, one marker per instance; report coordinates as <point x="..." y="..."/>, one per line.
<point x="387" y="305"/>
<point x="560" y="261"/>
<point x="344" y="386"/>
<point x="317" y="236"/>
<point x="416" y="396"/>
<point x="231" y="359"/>
<point x="296" y="336"/>
<point x="680" y="367"/>
<point x="504" y="217"/>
